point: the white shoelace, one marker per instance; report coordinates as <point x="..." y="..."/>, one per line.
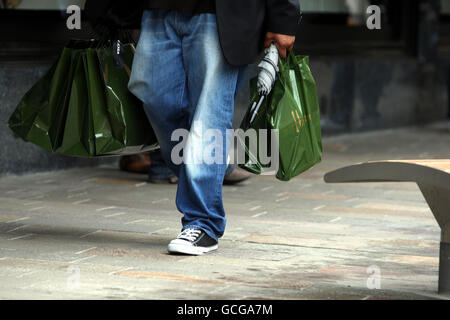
<point x="189" y="234"/>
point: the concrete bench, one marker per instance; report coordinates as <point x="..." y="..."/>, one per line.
<point x="433" y="179"/>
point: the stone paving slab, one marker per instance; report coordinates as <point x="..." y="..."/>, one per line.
<point x="99" y="233"/>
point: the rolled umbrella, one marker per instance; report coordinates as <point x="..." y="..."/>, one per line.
<point x="268" y="69"/>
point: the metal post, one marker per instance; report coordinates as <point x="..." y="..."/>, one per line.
<point x="444" y="268"/>
<point x="438" y="200"/>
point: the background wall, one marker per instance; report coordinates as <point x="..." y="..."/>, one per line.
<point x="357" y="94"/>
<point x="365" y="80"/>
<point x="17" y="156"/>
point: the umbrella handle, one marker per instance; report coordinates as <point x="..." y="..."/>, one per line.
<point x="255" y="113"/>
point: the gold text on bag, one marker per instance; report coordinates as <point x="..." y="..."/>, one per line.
<point x="301" y="120"/>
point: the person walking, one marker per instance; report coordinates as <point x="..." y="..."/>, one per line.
<point x="188" y="66"/>
<point x="189" y="63"/>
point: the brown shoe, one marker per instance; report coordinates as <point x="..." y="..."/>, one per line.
<point x="137" y="163"/>
<point x="236" y="176"/>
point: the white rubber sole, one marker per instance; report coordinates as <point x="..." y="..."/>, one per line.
<point x="189" y="249"/>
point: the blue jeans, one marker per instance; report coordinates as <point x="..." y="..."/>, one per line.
<point x="180" y="74"/>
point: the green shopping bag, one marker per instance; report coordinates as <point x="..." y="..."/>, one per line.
<point x="39" y="116"/>
<point x="292" y="110"/>
<point x="77" y="137"/>
<point x="105" y="140"/>
<point x="126" y="114"/>
<point x="82" y="106"/>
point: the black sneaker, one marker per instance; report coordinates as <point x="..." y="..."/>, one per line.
<point x="194" y="242"/>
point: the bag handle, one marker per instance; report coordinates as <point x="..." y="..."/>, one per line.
<point x="291" y="59"/>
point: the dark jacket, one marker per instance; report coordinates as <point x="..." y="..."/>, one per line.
<point x="242" y="24"/>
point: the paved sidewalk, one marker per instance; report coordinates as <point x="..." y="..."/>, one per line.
<point x="102" y="234"/>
